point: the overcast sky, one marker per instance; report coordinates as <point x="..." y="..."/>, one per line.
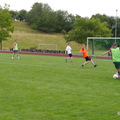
<point x="84" y="8"/>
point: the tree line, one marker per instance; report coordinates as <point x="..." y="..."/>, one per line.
<point x="41" y="17"/>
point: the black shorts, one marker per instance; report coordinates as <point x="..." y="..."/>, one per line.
<point x="70" y="55"/>
<point x="87" y="58"/>
<point x="15" y="51"/>
<point x="117" y="65"/>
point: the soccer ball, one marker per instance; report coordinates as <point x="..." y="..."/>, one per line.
<point x="115" y="76"/>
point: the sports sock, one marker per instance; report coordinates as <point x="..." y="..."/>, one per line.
<point x="95" y="65"/>
<point x="82" y="65"/>
<point x="118" y="75"/>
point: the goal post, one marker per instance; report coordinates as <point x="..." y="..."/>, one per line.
<point x="47" y="46"/>
<point x="98" y="45"/>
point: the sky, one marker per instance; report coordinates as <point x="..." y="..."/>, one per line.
<point x="84" y="8"/>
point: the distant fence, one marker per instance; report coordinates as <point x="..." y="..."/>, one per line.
<point x="52" y="53"/>
<point x="41" y="51"/>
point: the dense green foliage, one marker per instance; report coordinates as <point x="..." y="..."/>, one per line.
<point x="19" y="15"/>
<point x="42" y="17"/>
<point x="5" y="24"/>
<point x="14" y="14"/>
<point x="110" y="22"/>
<point x="84" y="27"/>
<point x="22" y="15"/>
<point x="47" y="88"/>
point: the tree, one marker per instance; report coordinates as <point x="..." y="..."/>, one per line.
<point x="65" y="21"/>
<point x="41" y="17"/>
<point x="34" y="15"/>
<point x="85" y="27"/>
<point x="14" y="14"/>
<point x="21" y="15"/>
<point x="111" y="22"/>
<point x="118" y="27"/>
<point x="5" y="24"/>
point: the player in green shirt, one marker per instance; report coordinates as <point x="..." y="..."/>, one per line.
<point x="115" y="51"/>
<point x="15" y="49"/>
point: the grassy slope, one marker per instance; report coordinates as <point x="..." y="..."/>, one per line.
<point x="30" y="38"/>
<point x="47" y="88"/>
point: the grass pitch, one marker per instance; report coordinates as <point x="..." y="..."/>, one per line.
<point x="47" y="88"/>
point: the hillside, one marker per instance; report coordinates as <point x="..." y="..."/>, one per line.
<point x="30" y="38"/>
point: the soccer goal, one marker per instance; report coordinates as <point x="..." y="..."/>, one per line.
<point x="47" y="46"/>
<point x="98" y="45"/>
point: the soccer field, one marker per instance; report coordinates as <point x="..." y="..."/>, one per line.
<point x="47" y="88"/>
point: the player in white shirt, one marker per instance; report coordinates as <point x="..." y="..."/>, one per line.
<point x="68" y="51"/>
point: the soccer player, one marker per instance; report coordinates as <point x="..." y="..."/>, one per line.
<point x="85" y="55"/>
<point x="109" y="51"/>
<point x="116" y="57"/>
<point x="15" y="49"/>
<point x="68" y="50"/>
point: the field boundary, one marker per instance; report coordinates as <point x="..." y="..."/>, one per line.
<point x="59" y="55"/>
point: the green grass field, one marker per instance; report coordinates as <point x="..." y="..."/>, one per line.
<point x="47" y="88"/>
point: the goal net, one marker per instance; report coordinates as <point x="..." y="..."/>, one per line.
<point x="99" y="45"/>
<point x="47" y="46"/>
